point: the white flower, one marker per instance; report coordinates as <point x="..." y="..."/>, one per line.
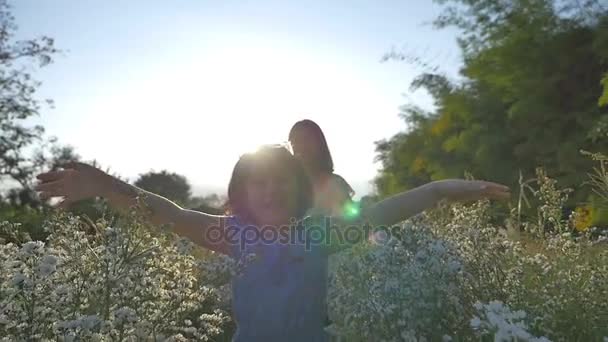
<point x="184" y="246"/>
<point x="49" y="259"/>
<point x="47" y="265"/>
<point x="454" y="266"/>
<point x="475" y="322"/>
<point x="478" y="306"/>
<point x="90" y="322"/>
<point x="18" y="279"/>
<point x="31" y="247"/>
<point x="125" y="315"/>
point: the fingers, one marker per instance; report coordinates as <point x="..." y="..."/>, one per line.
<point x="72" y="165"/>
<point x="45" y="196"/>
<point x="492" y="190"/>
<point x="492" y="185"/>
<point x="65" y="204"/>
<point x="500" y="193"/>
<point x="53" y="188"/>
<point x="501" y="187"/>
<point x="50" y="176"/>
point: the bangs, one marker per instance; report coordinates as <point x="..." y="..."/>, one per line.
<point x="267" y="160"/>
<point x="271" y="161"/>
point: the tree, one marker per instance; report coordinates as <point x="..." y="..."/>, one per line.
<point x="532" y="71"/>
<point x="176" y="187"/>
<point x="169" y="185"/>
<point x="25" y="195"/>
<point x="210" y="204"/>
<point x="17" y="101"/>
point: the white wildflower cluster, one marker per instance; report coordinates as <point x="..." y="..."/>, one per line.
<point x="423" y="284"/>
<point x="105" y="282"/>
<point x="218" y="269"/>
<point x="452" y="274"/>
<point x="398" y="291"/>
<point x="498" y="321"/>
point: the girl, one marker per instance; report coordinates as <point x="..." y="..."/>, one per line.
<point x="281" y="294"/>
<point x="331" y="192"/>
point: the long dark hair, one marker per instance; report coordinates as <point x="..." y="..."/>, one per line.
<point x="326" y="163"/>
<point x="277" y="157"/>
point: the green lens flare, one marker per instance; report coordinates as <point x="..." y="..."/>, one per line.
<point x="351" y="210"/>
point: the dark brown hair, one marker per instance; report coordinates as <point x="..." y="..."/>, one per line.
<point x="277" y="157"/>
<point x="326" y="163"/>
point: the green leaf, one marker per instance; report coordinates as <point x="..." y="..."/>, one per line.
<point x="604" y="98"/>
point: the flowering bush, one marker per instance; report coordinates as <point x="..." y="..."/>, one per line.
<point x="387" y="293"/>
<point x="105" y="281"/>
<point x="453" y="274"/>
<point x="499" y="321"/>
<point x="450" y="274"/>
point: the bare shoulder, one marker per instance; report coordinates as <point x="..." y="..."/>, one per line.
<point x="339" y="183"/>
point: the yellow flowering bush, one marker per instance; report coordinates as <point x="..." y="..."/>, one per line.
<point x="583" y="218"/>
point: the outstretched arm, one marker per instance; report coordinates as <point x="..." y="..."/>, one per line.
<point x="404" y="205"/>
<point x="407" y="204"/>
<point x="78" y="181"/>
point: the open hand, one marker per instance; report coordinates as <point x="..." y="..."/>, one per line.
<point x="77" y="181"/>
<point x="465" y="190"/>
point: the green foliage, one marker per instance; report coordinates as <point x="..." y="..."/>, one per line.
<point x="532" y="72"/>
<point x="167" y="184"/>
<point x="21" y="204"/>
<point x="24" y="152"/>
<point x="210" y="204"/>
<point x="30" y="222"/>
<point x="17" y="101"/>
<point x="604" y="98"/>
<point x="176" y="188"/>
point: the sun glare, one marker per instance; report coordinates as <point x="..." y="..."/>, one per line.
<point x="205" y="108"/>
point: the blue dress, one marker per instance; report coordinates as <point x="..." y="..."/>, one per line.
<point x="281" y="294"/>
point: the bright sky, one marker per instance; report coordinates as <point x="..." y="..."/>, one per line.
<point x="189" y="85"/>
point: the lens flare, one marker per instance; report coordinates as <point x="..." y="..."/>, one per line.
<point x="351" y="210"/>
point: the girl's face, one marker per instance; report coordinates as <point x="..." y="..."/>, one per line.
<point x="305" y="145"/>
<point x="271" y="196"/>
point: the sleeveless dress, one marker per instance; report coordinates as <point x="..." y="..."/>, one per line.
<point x="281" y="294"/>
